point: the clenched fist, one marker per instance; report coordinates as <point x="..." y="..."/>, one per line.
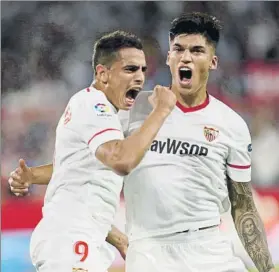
<point x="162" y="98"/>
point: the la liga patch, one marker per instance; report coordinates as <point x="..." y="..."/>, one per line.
<point x="103" y="110"/>
<point x="100" y="107"/>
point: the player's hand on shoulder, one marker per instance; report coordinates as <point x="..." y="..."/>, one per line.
<point x="162" y="98"/>
<point x="20" y="179"/>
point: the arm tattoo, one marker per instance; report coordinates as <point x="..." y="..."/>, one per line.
<point x="249" y="225"/>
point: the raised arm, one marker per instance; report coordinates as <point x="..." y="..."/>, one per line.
<point x="124" y="155"/>
<point x="249" y="225"/>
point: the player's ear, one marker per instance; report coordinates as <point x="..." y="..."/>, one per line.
<point x="102" y="73"/>
<point x="168" y="59"/>
<point x="214" y="63"/>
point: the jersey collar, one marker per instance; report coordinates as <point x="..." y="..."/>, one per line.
<point x="195" y="108"/>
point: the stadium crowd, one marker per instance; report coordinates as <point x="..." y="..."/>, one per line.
<point x="46" y="57"/>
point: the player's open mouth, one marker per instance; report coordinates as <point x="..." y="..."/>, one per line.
<point x="185" y="75"/>
<point x="131" y="95"/>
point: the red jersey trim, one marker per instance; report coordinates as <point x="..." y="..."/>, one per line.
<point x="100" y="132"/>
<point x="195" y="108"/>
<point x="239" y="166"/>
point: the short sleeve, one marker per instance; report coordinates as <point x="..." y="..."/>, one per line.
<point x="239" y="159"/>
<point x="95" y="120"/>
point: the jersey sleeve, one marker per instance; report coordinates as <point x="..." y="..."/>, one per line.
<point x="95" y="121"/>
<point x="239" y="159"/>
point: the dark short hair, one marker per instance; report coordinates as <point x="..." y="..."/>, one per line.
<point x="106" y="48"/>
<point x="197" y="23"/>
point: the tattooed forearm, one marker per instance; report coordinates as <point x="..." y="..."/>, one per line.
<point x="249" y="225"/>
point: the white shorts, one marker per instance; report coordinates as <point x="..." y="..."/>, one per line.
<point x="68" y="250"/>
<point x="194" y="251"/>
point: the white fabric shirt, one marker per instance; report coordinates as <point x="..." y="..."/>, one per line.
<point x="81" y="186"/>
<point x="124" y="120"/>
<point x="181" y="182"/>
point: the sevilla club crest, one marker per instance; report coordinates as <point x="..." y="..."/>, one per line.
<point x="210" y="133"/>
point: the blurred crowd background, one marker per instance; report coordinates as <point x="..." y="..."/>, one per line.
<point x="46" y="50"/>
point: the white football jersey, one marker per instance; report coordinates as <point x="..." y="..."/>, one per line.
<point x="181" y="183"/>
<point x="124" y="120"/>
<point x="81" y="185"/>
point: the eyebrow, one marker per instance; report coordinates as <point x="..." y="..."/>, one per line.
<point x="193" y="47"/>
<point x="198" y="47"/>
<point x="135" y="67"/>
<point x="178" y="45"/>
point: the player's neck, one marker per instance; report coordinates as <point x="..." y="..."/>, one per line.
<point x="98" y="86"/>
<point x="101" y="87"/>
<point x="191" y="100"/>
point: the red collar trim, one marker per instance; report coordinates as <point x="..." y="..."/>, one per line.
<point x="195" y="108"/>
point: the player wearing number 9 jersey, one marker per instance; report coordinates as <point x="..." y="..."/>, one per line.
<point x="91" y="157"/>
